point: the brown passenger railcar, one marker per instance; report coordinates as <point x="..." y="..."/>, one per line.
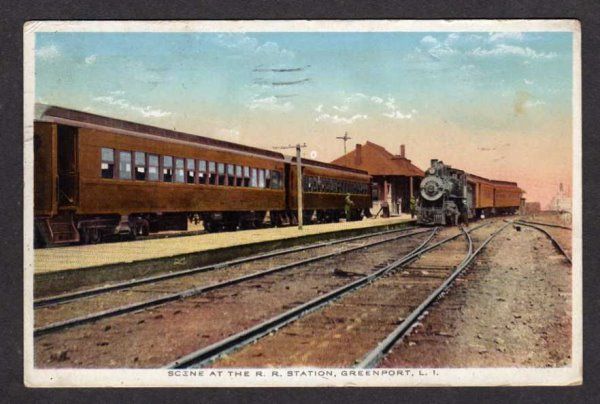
<point x="325" y="188"/>
<point x="98" y="176"/>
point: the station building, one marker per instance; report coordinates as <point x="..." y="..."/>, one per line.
<point x="394" y="178"/>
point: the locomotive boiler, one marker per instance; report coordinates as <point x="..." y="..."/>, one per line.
<point x="450" y="196"/>
<point x="443" y="195"/>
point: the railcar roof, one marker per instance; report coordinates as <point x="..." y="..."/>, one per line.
<point x="50" y="113"/>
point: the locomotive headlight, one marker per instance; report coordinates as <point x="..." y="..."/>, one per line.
<point x="431" y="170"/>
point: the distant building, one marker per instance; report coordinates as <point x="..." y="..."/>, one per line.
<point x="561" y="201"/>
<point x="532" y="208"/>
<point x="395" y="178"/>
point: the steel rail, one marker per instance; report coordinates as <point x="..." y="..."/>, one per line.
<point x="210" y="353"/>
<point x="67" y="297"/>
<point x="545" y="224"/>
<point x="53" y="327"/>
<point x="552" y="239"/>
<point x="375" y="355"/>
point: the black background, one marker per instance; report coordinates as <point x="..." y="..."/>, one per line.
<point x="14" y="14"/>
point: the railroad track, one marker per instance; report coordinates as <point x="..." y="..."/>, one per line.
<point x="374" y="356"/>
<point x="552" y="239"/>
<point x="207" y="355"/>
<point x="545" y="224"/>
<point x="181" y="294"/>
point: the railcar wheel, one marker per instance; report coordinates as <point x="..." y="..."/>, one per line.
<point x="91" y="235"/>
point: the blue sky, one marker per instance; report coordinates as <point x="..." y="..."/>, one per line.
<point x="483" y="91"/>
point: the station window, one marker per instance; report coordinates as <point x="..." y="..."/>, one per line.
<point x="212" y="173"/>
<point x="253" y="178"/>
<point x="202" y="177"/>
<point x="125" y="165"/>
<point x="190" y="166"/>
<point x="239" y="176"/>
<point x="107" y="165"/>
<point x="275" y="180"/>
<point x="246" y="176"/>
<point x="140" y="166"/>
<point x="221" y="173"/>
<point x="230" y="175"/>
<point x="167" y="168"/>
<point x="267" y="178"/>
<point x="179" y="171"/>
<point x="375" y="192"/>
<point x="152" y="167"/>
<point x="261" y="178"/>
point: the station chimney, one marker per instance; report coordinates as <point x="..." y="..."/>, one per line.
<point x="402" y="151"/>
<point x="358" y="155"/>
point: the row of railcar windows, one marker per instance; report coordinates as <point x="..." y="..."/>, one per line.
<point x="143" y="166"/>
<point x="332" y="185"/>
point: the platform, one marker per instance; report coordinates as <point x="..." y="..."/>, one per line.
<point x="163" y="254"/>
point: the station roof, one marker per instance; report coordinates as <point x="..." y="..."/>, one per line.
<point x="376" y="160"/>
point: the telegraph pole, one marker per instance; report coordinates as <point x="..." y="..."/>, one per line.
<point x="345" y="138"/>
<point x="299" y="179"/>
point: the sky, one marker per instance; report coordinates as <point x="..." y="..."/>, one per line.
<point x="497" y="104"/>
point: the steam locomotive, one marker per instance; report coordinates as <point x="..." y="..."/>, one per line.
<point x="451" y="196"/>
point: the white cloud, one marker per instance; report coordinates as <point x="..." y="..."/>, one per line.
<point x="343" y="108"/>
<point x="270" y="104"/>
<point x="533" y="103"/>
<point x="397" y="114"/>
<point x="117" y="92"/>
<point x="48" y="52"/>
<point x="429" y="41"/>
<point x="319" y="108"/>
<point x="376" y="100"/>
<point x="340" y="119"/>
<point x="249" y="45"/>
<point x="437" y="49"/>
<point x="528" y="82"/>
<point x="502" y="50"/>
<point x="504" y="36"/>
<point x="90" y="60"/>
<point x="229" y="134"/>
<point x="146" y="111"/>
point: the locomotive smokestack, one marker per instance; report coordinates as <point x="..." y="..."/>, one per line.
<point x="433" y="161"/>
<point x="402" y="150"/>
<point x="358" y="155"/>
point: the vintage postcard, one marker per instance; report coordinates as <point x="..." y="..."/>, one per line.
<point x="302" y="203"/>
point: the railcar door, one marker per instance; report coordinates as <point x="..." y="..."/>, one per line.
<point x="68" y="186"/>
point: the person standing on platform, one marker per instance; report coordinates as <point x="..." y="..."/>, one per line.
<point x="413" y="207"/>
<point x="348" y="207"/>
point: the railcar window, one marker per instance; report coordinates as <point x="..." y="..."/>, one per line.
<point x="246" y="176"/>
<point x="267" y="178"/>
<point x="261" y="178"/>
<point x="253" y="178"/>
<point x="107" y="165"/>
<point x="212" y="173"/>
<point x="179" y="171"/>
<point x="191" y="170"/>
<point x="275" y="180"/>
<point x="230" y="175"/>
<point x="221" y="172"/>
<point x="125" y="165"/>
<point x="167" y="169"/>
<point x="202" y="177"/>
<point x="152" y="167"/>
<point x="239" y="176"/>
<point x="140" y="166"/>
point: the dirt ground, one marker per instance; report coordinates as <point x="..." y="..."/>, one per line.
<point x="513" y="308"/>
